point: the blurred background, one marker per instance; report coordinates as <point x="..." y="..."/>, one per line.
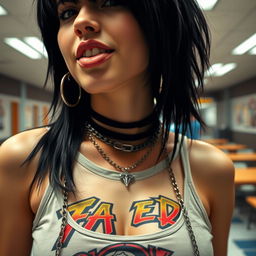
<point x="228" y="105"/>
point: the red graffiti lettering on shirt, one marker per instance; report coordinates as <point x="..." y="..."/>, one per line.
<point x="167" y="214"/>
<point x="91" y="214"/>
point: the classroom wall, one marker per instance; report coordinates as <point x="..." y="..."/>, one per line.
<point x="223" y="100"/>
<point x="12" y="87"/>
<point x="22" y="106"/>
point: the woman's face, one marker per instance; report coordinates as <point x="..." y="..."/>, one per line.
<point x="102" y="44"/>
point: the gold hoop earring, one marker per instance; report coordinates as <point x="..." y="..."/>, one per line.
<point x="67" y="75"/>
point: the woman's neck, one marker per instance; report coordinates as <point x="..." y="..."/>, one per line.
<point x="127" y="106"/>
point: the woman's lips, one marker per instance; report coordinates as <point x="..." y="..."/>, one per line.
<point x="94" y="61"/>
<point x="87" y="48"/>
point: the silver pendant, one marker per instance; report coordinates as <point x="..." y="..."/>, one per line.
<point x="127" y="178"/>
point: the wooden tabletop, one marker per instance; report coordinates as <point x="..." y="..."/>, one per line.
<point x="231" y="147"/>
<point x="216" y="141"/>
<point x="245" y="176"/>
<point x="242" y="157"/>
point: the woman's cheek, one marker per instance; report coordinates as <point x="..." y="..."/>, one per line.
<point x="65" y="43"/>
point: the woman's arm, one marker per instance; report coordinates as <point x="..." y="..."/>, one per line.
<point x="15" y="182"/>
<point x="222" y="204"/>
<point x="213" y="174"/>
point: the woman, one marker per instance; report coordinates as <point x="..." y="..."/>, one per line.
<point x="106" y="177"/>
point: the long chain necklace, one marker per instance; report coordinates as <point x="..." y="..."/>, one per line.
<point x="64" y="221"/>
<point x="126" y="181"/>
<point x="184" y="212"/>
<point x="125" y="177"/>
<point x="178" y="196"/>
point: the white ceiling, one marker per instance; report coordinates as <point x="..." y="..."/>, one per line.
<point x="231" y="22"/>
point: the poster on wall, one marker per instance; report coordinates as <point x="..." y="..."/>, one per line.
<point x="244" y="114"/>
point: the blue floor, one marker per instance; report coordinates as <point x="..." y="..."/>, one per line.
<point x="246" y="244"/>
<point x="242" y="241"/>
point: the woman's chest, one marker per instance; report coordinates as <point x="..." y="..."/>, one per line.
<point x="110" y="207"/>
<point x="125" y="217"/>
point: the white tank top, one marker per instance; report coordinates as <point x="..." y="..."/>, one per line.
<point x="79" y="241"/>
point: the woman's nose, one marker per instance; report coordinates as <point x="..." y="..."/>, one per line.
<point x="86" y="22"/>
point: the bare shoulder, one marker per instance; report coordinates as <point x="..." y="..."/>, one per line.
<point x="213" y="175"/>
<point x="13" y="153"/>
<point x="208" y="160"/>
<point x="16" y="149"/>
<point x="15" y="185"/>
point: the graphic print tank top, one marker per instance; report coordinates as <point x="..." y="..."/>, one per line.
<point x="79" y="241"/>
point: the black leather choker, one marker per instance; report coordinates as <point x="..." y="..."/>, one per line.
<point x="124" y="136"/>
<point x="137" y="124"/>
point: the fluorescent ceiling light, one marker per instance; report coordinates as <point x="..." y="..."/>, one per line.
<point x="37" y="44"/>
<point x="2" y="11"/>
<point x="204" y="82"/>
<point x="20" y="46"/>
<point x="245" y="46"/>
<point x="213" y="69"/>
<point x="253" y="51"/>
<point x="224" y="69"/>
<point x="220" y="69"/>
<point x="207" y="5"/>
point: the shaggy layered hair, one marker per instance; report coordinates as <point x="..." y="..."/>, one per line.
<point x="178" y="40"/>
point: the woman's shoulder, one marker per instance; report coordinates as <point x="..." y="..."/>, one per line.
<point x="15" y="189"/>
<point x="211" y="168"/>
<point x="213" y="176"/>
<point x="209" y="157"/>
<point x="17" y="148"/>
<point x="205" y="158"/>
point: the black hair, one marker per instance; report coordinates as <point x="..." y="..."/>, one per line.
<point x="178" y="39"/>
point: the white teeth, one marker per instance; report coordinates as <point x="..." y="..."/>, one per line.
<point x="93" y="52"/>
<point x="88" y="53"/>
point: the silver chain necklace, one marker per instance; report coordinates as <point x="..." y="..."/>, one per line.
<point x="64" y="221"/>
<point x="125" y="177"/>
<point x="184" y="211"/>
<point x="119" y="145"/>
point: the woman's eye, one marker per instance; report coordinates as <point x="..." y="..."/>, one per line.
<point x="66" y="14"/>
<point x="111" y="3"/>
